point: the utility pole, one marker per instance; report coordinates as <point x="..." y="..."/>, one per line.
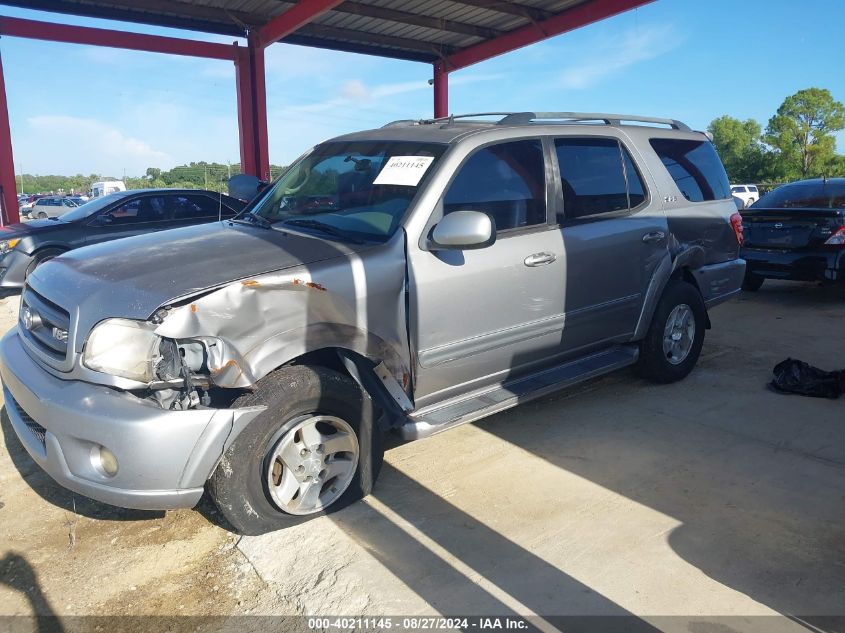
<point x="205" y="175"/>
<point x="20" y="167"/>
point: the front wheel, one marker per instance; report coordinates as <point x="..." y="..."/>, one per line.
<point x="40" y="257"/>
<point x="315" y="449"/>
<point x="673" y="343"/>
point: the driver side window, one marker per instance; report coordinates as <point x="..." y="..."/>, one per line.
<point x="137" y="211"/>
<point x="506" y="181"/>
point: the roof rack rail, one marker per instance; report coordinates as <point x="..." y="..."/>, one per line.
<point x="445" y="119"/>
<point x="525" y="118"/>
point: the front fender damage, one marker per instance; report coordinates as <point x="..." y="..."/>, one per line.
<point x="249" y="328"/>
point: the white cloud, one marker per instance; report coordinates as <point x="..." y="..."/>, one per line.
<point x="59" y="139"/>
<point x="612" y="55"/>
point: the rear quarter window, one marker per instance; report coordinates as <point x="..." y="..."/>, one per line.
<point x="695" y="167"/>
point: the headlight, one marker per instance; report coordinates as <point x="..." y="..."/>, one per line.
<point x="7" y="245"/>
<point x="123" y="348"/>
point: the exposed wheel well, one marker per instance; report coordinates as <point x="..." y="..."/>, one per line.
<point x="685" y="274"/>
<point x="358" y="368"/>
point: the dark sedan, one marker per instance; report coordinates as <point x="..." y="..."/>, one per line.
<point x="796" y="232"/>
<point x="121" y="214"/>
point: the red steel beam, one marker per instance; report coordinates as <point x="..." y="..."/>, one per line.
<point x="252" y="110"/>
<point x="300" y="14"/>
<point x="34" y="29"/>
<point x="441" y="90"/>
<point x="8" y="188"/>
<point x="581" y="15"/>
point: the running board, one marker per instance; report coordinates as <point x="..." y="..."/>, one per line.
<point x="440" y="417"/>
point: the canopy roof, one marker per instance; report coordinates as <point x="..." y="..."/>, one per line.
<point x="420" y="30"/>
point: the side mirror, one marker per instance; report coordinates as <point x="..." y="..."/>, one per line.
<point x="245" y="187"/>
<point x="463" y="230"/>
<point x="103" y="220"/>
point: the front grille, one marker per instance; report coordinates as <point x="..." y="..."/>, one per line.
<point x="38" y="431"/>
<point x="47" y="326"/>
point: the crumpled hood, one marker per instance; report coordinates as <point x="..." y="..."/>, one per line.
<point x="132" y="277"/>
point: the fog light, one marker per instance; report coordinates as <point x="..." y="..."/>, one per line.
<point x="104" y="461"/>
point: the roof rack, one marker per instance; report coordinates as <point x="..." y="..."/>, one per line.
<point x="527" y="118"/>
<point x="445" y="119"/>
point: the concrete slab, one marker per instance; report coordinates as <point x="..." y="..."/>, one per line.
<point x="710" y="497"/>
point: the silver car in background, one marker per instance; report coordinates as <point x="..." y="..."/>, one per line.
<point x="51" y="207"/>
<point x="407" y="279"/>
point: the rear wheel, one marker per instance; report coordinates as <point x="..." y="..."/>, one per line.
<point x="315" y="449"/>
<point x="42" y="215"/>
<point x="752" y="282"/>
<point x="673" y="343"/>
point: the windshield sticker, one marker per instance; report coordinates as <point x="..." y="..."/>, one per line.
<point x="404" y="170"/>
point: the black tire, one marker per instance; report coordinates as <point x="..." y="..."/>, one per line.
<point x="42" y="216"/>
<point x="653" y="363"/>
<point x="42" y="256"/>
<point x="238" y="485"/>
<point x="752" y="282"/>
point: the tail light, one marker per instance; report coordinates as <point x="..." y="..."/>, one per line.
<point x="736" y="225"/>
<point x="838" y="237"/>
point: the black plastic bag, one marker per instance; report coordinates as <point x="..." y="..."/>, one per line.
<point x="795" y="376"/>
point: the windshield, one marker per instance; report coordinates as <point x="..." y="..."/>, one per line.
<point x="359" y="190"/>
<point x="86" y="209"/>
<point x="805" y="195"/>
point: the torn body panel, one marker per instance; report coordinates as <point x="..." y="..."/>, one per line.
<point x="252" y="326"/>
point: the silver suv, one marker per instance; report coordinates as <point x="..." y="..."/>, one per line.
<point x="407" y="279"/>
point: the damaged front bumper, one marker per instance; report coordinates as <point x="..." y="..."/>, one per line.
<point x="163" y="457"/>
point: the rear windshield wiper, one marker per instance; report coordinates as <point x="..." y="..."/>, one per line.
<point x="254" y="219"/>
<point x="322" y="227"/>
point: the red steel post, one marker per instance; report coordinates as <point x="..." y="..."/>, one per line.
<point x="8" y="188"/>
<point x="441" y="90"/>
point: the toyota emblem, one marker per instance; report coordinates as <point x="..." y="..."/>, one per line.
<point x="30" y="319"/>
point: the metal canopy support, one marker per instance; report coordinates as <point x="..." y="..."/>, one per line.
<point x="576" y="17"/>
<point x="441" y="90"/>
<point x="252" y="110"/>
<point x="298" y="15"/>
<point x="8" y="189"/>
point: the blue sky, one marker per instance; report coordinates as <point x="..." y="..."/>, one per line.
<point x="79" y="109"/>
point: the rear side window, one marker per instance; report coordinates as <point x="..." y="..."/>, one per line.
<point x="695" y="167"/>
<point x="196" y="207"/>
<point x="737" y="189"/>
<point x="506" y="181"/>
<point x="597" y="176"/>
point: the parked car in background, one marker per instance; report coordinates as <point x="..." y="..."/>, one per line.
<point x="25" y="246"/>
<point x="409" y="279"/>
<point x="747" y="193"/>
<point x="104" y="188"/>
<point x="797" y="232"/>
<point x="51" y="207"/>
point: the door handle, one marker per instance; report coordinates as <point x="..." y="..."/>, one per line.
<point x="540" y="259"/>
<point x="654" y="236"/>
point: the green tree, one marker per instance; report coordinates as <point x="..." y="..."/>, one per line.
<point x="801" y="132"/>
<point x="740" y="147"/>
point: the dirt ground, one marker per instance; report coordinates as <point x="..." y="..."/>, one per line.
<point x="709" y="497"/>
